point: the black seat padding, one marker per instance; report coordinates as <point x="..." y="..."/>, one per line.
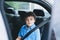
<point x="22" y="14"/>
<point x="9" y="11"/>
<point x="38" y="12"/>
<point x="14" y="23"/>
<point x="17" y="23"/>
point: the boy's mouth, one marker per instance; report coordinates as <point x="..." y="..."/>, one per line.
<point x="29" y="23"/>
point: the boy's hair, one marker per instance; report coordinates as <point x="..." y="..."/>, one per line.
<point x="30" y="14"/>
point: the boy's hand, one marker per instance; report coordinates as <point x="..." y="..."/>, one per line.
<point x="18" y="38"/>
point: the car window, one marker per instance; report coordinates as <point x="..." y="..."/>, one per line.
<point x="25" y="6"/>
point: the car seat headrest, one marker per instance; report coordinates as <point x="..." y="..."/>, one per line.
<point x="38" y="12"/>
<point x="10" y="11"/>
<point x="22" y="14"/>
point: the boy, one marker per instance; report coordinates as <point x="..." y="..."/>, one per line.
<point x="29" y="20"/>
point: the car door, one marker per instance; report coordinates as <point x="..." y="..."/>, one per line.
<point x="4" y="28"/>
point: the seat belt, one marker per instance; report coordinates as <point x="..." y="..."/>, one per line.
<point x="38" y="26"/>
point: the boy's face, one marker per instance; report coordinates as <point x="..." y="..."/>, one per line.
<point x="30" y="20"/>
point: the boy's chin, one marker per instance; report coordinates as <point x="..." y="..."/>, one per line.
<point x="29" y="25"/>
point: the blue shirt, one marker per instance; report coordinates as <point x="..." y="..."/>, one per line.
<point x="33" y="36"/>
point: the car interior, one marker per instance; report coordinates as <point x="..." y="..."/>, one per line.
<point x="14" y="15"/>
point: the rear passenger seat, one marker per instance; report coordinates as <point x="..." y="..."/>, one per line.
<point x="14" y="22"/>
<point x="39" y="12"/>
